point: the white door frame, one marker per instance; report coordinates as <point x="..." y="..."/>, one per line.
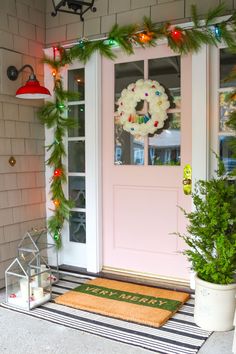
<point x="93" y="159"/>
<point x="93" y="149"/>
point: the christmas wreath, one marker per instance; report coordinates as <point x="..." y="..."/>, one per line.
<point x="158" y="103"/>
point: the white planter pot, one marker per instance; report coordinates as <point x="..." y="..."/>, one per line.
<point x="214" y="305"/>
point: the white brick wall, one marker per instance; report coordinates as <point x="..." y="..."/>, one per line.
<point x="22" y="195"/>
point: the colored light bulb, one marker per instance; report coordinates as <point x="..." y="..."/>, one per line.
<point x="56" y="236"/>
<point x="176" y="34"/>
<point x="217" y="31"/>
<point x="61" y="105"/>
<point x="144" y="38"/>
<point x="112" y="42"/>
<point x="56" y="202"/>
<point x="57" y="172"/>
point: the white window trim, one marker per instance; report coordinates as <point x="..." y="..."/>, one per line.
<point x="200" y="115"/>
<point x="93" y="163"/>
<point x="214" y="105"/>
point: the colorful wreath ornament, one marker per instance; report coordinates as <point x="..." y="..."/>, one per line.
<point x="154" y="94"/>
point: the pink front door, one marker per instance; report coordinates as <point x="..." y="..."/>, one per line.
<point x="142" y="177"/>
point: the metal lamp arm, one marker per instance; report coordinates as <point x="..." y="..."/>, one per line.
<point x="13" y="73"/>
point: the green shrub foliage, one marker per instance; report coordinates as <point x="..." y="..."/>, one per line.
<point x="211" y="230"/>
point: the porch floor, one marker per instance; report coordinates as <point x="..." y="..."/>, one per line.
<point x="22" y="334"/>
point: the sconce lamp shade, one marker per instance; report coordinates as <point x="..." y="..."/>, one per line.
<point x="32" y="89"/>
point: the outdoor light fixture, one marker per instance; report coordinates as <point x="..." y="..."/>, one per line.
<point x="32" y="89"/>
<point x="76" y="7"/>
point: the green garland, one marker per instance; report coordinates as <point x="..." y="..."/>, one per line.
<point x="180" y="39"/>
<point x="52" y="114"/>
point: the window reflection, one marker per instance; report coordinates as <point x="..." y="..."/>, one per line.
<point x="167" y="72"/>
<point x="77" y="190"/>
<point x="226" y="108"/>
<point x="227" y="62"/>
<point x="128" y="149"/>
<point x="76" y="80"/>
<point x="164" y="147"/>
<point x="226" y="153"/>
<point x="78" y="114"/>
<point x="125" y="74"/>
<point x="78" y="227"/>
<point x="76" y="156"/>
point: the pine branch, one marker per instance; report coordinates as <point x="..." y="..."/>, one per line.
<point x="106" y="50"/>
<point x="152" y="29"/>
<point x="123" y="36"/>
<point x="194" y="15"/>
<point x="93" y="46"/>
<point x="214" y="13"/>
<point x="54" y="64"/>
<point x="64" y="95"/>
<point x="228" y="37"/>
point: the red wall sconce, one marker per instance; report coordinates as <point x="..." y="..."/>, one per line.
<point x="32" y="89"/>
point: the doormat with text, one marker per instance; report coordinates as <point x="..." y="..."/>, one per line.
<point x="131" y="302"/>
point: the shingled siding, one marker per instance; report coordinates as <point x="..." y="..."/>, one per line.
<point x="22" y="192"/>
<point x="66" y="27"/>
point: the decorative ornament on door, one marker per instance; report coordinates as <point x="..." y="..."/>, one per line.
<point x="128" y="117"/>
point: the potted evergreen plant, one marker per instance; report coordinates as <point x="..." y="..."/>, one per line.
<point x="211" y="240"/>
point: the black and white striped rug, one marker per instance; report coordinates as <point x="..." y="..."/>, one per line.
<point x="179" y="335"/>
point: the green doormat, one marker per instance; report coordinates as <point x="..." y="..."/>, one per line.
<point x="126" y="301"/>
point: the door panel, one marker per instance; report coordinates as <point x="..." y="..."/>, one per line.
<point x="142" y="178"/>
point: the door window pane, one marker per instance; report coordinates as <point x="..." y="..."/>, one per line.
<point x="164" y="147"/>
<point x="128" y="149"/>
<point x="76" y="156"/>
<point x="127" y="73"/>
<point x="78" y="227"/>
<point x="227" y="62"/>
<point x="77" y="113"/>
<point x="167" y="72"/>
<point x="76" y="80"/>
<point x="77" y="191"/>
<point x="226" y="153"/>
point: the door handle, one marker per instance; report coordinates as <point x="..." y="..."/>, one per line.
<point x="187" y="179"/>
